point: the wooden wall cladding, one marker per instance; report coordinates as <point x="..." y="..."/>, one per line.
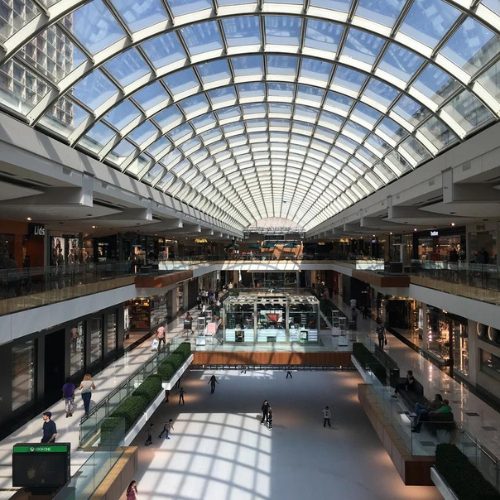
<point x="335" y="359"/>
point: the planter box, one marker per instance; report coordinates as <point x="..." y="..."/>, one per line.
<point x="178" y="374"/>
<point x="142" y="421"/>
<point x="368" y="377"/>
<point x="442" y="486"/>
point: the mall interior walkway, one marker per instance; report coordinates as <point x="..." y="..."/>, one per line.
<point x="237" y="458"/>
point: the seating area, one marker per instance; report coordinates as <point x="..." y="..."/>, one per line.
<point x="432" y="421"/>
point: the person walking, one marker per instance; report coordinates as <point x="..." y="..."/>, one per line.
<point x="212" y="383"/>
<point x="149" y="437"/>
<point x="181" y="395"/>
<point x="188" y="324"/>
<point x="68" y="390"/>
<point x="269" y="418"/>
<point x="87" y="386"/>
<point x="327" y="415"/>
<point x="167" y="429"/>
<point x="265" y="408"/>
<point x="160" y="335"/>
<point x="382" y="339"/>
<point x="132" y="491"/>
<point x="289" y="373"/>
<point x="49" y="429"/>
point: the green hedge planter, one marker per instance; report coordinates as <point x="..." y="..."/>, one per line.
<point x="367" y="360"/>
<point x="116" y="425"/>
<point x="462" y="477"/>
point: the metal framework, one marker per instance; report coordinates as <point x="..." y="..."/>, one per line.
<point x="247" y="109"/>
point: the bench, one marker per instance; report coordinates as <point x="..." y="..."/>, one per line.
<point x="441" y="425"/>
<point x="413" y="396"/>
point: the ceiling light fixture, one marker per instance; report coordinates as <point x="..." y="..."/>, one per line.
<point x="28" y="218"/>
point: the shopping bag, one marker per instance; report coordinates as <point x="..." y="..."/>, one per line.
<point x="154" y="345"/>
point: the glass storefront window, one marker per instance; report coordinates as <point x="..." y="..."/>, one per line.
<point x="95" y="332"/>
<point x="77" y="355"/>
<point x="438" y="334"/>
<point x="23" y="373"/>
<point x="460" y="347"/>
<point x="111" y="329"/>
<point x="490" y="364"/>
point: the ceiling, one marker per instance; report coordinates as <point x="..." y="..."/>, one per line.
<point x="248" y="110"/>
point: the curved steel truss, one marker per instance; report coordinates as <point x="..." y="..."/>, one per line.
<point x="251" y="109"/>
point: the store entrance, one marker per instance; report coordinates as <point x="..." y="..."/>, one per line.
<point x="54" y="366"/>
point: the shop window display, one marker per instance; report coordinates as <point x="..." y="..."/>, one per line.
<point x="95" y="331"/>
<point x="111" y="330"/>
<point x="490" y="364"/>
<point x="77" y="355"/>
<point x="23" y="373"/>
<point x="271" y="317"/>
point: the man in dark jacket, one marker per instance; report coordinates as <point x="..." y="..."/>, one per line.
<point x="49" y="428"/>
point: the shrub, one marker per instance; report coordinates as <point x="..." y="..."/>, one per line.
<point x="462" y="477"/>
<point x="131" y="409"/>
<point x="367" y="360"/>
<point x="112" y="431"/>
<point x="149" y="388"/>
<point x="165" y="371"/>
<point x="184" y="349"/>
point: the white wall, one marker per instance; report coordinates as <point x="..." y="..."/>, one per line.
<point x="14" y="326"/>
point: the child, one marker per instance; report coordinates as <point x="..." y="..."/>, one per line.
<point x="270" y="418"/>
<point x="149" y="439"/>
<point x="167" y="429"/>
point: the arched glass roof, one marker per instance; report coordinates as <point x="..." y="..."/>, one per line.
<point x="250" y="109"/>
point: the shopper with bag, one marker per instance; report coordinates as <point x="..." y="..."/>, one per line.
<point x="160" y="336"/>
<point x="87" y="386"/>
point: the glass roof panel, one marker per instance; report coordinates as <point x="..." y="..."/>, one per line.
<point x="122" y="115"/>
<point x="471" y="46"/>
<point x="164" y="50"/>
<point x="150" y="96"/>
<point x="139" y="15"/>
<point x="400" y="62"/>
<point x="323" y="35"/>
<point x="322" y="102"/>
<point x="94" y="90"/>
<point x="435" y="84"/>
<point x="384" y="13"/>
<point x="127" y="67"/>
<point x="242" y="31"/>
<point x="202" y="37"/>
<point x="429" y="20"/>
<point x="182" y="7"/>
<point x="182" y="81"/>
<point x="214" y="71"/>
<point x="121" y="152"/>
<point x="283" y="30"/>
<point x="95" y="27"/>
<point x="362" y="46"/>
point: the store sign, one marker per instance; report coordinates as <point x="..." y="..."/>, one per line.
<point x="434" y="233"/>
<point x="36" y="230"/>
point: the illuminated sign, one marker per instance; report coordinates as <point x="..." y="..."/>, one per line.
<point x="434" y="233"/>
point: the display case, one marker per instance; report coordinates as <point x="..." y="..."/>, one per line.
<point x="264" y="317"/>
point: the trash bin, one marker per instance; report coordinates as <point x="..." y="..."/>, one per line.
<point x="394" y="377"/>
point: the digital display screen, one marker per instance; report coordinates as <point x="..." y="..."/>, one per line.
<point x="40" y="466"/>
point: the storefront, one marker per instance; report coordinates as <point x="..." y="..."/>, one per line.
<point x="146" y="313"/>
<point x="440" y="245"/>
<point x="66" y="249"/>
<point x="37" y="365"/>
<point x="22" y="244"/>
<point x="261" y="317"/>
